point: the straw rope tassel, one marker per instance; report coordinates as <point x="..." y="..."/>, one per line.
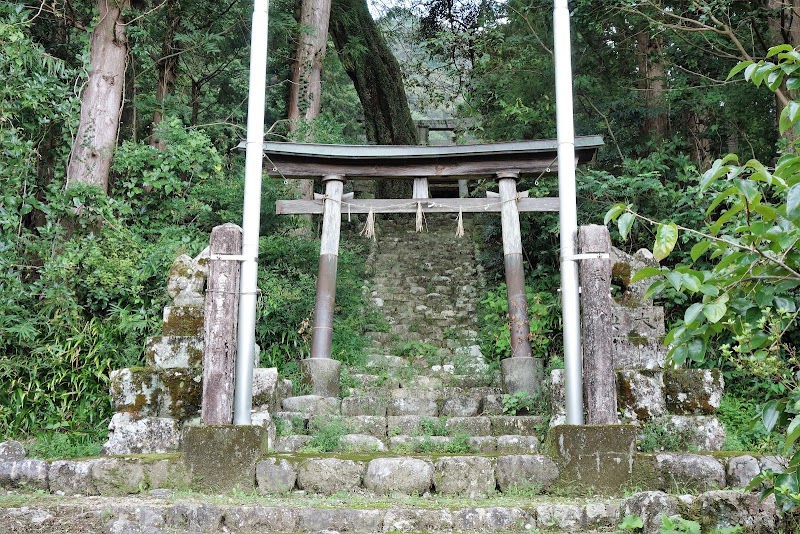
<point x="460" y="227"/>
<point x="369" y="227"/>
<point x="419" y="217"/>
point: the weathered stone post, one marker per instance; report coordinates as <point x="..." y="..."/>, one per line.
<point x="521" y="372"/>
<point x="221" y="305"/>
<point x="600" y="390"/>
<point x="321" y="372"/>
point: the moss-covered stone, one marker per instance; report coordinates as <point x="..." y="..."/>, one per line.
<point x="134" y="390"/>
<point x="220" y="458"/>
<point x="169" y="352"/>
<point x="693" y="391"/>
<point x="183" y="321"/>
<point x="596" y="456"/>
<point x="181" y="394"/>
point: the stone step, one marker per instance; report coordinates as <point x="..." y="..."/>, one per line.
<point x="171" y="511"/>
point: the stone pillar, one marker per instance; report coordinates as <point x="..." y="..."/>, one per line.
<point x="521" y="372"/>
<point x="221" y="311"/>
<point x="320" y="372"/>
<point x="599" y="384"/>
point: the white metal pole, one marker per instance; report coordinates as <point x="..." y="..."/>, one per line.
<point x="251" y="217"/>
<point x="568" y="214"/>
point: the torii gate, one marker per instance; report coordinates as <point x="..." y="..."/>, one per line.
<point x="566" y="147"/>
<point x="335" y="163"/>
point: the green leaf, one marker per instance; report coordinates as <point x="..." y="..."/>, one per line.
<point x="789" y="115"/>
<point x="782" y="303"/>
<point x="624" y="224"/>
<point x="747" y="188"/>
<point x="792" y="433"/>
<point x="678" y="354"/>
<point x="614" y="212"/>
<point x="699" y="249"/>
<point x="697" y="350"/>
<point x="738" y="68"/>
<point x="645" y="272"/>
<point x="691" y="282"/>
<point x="774" y="80"/>
<point x="793" y="202"/>
<point x="793" y="83"/>
<point x="715" y="311"/>
<point x="708" y="289"/>
<point x="777" y="49"/>
<point x="770" y="415"/>
<point x="666" y="237"/>
<point x="719" y="198"/>
<point x="692" y="313"/>
<point x="675" y="278"/>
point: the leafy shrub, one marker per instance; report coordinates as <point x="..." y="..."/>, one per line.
<point x="659" y="434"/>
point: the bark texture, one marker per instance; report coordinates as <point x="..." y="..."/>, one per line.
<point x="378" y="81"/>
<point x="652" y="83"/>
<point x="306" y="90"/>
<point x="101" y="102"/>
<point x="167" y="67"/>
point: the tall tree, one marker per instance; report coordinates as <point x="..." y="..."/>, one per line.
<point x="101" y="102"/>
<point x="167" y="66"/>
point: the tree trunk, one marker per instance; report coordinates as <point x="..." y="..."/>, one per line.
<point x="378" y="81"/>
<point x="101" y="103"/>
<point x="167" y="67"/>
<point x="651" y="72"/>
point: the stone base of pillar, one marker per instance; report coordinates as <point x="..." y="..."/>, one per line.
<point x="522" y="374"/>
<point x="321" y="376"/>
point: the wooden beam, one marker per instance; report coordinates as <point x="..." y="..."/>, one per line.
<point x="443" y="170"/>
<point x="434" y="205"/>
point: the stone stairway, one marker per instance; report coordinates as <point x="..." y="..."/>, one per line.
<point x="425" y="387"/>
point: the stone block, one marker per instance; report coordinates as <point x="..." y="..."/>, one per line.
<point x="706" y="432"/>
<point x="558" y="402"/>
<point x="128" y="435"/>
<point x="493" y="519"/>
<point x="522" y="375"/>
<point x="117" y="476"/>
<point x="135" y="390"/>
<point x="406" y="424"/>
<point x="460" y="407"/>
<point x="492" y="405"/>
<point x="356" y="406"/>
<point x="181" y="393"/>
<point x="518" y="444"/>
<point x="465" y="476"/>
<point x="261" y="519"/>
<point x="342" y="520"/>
<point x="321" y="376"/>
<point x="371" y="425"/>
<point x="166" y="473"/>
<point x="11" y="451"/>
<point x="290" y="443"/>
<point x="534" y="472"/>
<point x="561" y="517"/>
<point x="194" y="517"/>
<point x="693" y="391"/>
<point x="721" y="509"/>
<point x="171" y="352"/>
<point x="741" y="470"/>
<point x="312" y="405"/>
<point x="598" y="456"/>
<point x="275" y="475"/>
<point x="223" y="457"/>
<point x="637" y="324"/>
<point x="640" y="394"/>
<point x="483" y="444"/>
<point x="472" y="426"/>
<point x="330" y="475"/>
<point x="679" y="473"/>
<point x="264" y="419"/>
<point x="183" y="321"/>
<point x="418" y="520"/>
<point x="601" y="515"/>
<point x="361" y="443"/>
<point x="412" y="406"/>
<point x="650" y="506"/>
<point x="71" y="477"/>
<point x="27" y="474"/>
<point x="641" y="354"/>
<point x="418" y="443"/>
<point x="520" y="425"/>
<point x="409" y="476"/>
<point x="265" y="389"/>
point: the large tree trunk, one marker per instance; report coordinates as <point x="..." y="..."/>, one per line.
<point x="167" y="67"/>
<point x="305" y="92"/>
<point x="378" y="81"/>
<point x="101" y="103"/>
<point x="651" y="72"/>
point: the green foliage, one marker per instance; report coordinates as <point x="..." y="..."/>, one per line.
<point x="523" y="403"/>
<point x="326" y="435"/>
<point x="55" y="445"/>
<point x="631" y="523"/>
<point x="678" y="525"/>
<point x="659" y="434"/>
<point x="495" y="334"/>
